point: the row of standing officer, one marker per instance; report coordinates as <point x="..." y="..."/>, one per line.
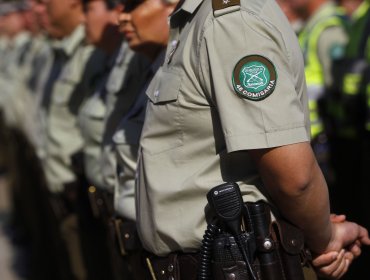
<point x="81" y="93"/>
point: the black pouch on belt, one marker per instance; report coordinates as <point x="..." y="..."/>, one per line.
<point x="127" y="236"/>
<point x="279" y="245"/>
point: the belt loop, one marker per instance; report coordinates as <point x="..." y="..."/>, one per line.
<point x="150" y="267"/>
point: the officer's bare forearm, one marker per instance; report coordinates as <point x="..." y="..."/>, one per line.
<point x="297" y="186"/>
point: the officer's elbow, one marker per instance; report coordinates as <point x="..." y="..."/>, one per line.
<point x="296" y="185"/>
<point x="290" y="171"/>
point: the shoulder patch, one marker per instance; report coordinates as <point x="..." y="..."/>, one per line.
<point x="254" y="77"/>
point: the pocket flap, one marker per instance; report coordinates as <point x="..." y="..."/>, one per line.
<point x="165" y="89"/>
<point x="95" y="107"/>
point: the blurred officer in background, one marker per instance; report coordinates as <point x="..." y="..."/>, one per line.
<point x="149" y="40"/>
<point x="13" y="64"/>
<point x="18" y="38"/>
<point x="347" y="108"/>
<point x="293" y="17"/>
<point x="2" y="31"/>
<point x="322" y="40"/>
<point x="75" y="68"/>
<point x="98" y="118"/>
<point x="350" y="6"/>
<point x="229" y="104"/>
<point x="23" y="60"/>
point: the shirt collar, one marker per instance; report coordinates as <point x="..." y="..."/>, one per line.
<point x="188" y="6"/>
<point x="21" y="39"/>
<point x="70" y="43"/>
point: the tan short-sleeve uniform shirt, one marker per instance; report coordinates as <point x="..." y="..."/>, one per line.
<point x="126" y="142"/>
<point x="75" y="82"/>
<point x="94" y="113"/>
<point x="232" y="81"/>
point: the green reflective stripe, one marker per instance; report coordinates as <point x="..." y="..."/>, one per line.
<point x="359" y="23"/>
<point x="314" y="116"/>
<point x="351" y="83"/>
<point x="312" y="105"/>
<point x="316" y="129"/>
<point x="361" y="10"/>
<point x="316" y="123"/>
<point x="367" y="50"/>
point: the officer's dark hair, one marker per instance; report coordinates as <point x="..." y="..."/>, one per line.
<point x="111" y="4"/>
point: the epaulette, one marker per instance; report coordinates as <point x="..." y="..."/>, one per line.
<point x="221" y="7"/>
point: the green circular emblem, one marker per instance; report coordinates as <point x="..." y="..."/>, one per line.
<point x="254" y="77"/>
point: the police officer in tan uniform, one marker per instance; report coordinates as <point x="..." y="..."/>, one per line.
<point x="230" y="105"/>
<point x="150" y="41"/>
<point x="98" y="118"/>
<point x="75" y="68"/>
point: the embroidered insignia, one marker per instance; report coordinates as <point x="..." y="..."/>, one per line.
<point x="254" y="77"/>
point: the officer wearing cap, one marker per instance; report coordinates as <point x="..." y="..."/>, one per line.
<point x="229" y="104"/>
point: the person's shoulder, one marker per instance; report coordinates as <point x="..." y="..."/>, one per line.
<point x="266" y="11"/>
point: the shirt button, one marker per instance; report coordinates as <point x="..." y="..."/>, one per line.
<point x="170" y="268"/>
<point x="156" y="93"/>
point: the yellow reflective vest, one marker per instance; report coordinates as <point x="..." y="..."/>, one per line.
<point x="328" y="16"/>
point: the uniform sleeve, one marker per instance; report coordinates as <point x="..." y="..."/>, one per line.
<point x="246" y="70"/>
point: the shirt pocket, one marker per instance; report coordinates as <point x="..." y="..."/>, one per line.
<point x="61" y="106"/>
<point x="95" y="107"/>
<point x="165" y="90"/>
<point x="163" y="122"/>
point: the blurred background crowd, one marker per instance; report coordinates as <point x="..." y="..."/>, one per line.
<point x="71" y="77"/>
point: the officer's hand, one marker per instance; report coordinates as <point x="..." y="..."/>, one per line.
<point x="344" y="247"/>
<point x="349" y="236"/>
<point x="334" y="218"/>
<point x="332" y="265"/>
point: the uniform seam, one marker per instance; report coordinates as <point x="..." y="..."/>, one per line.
<point x="270" y="131"/>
